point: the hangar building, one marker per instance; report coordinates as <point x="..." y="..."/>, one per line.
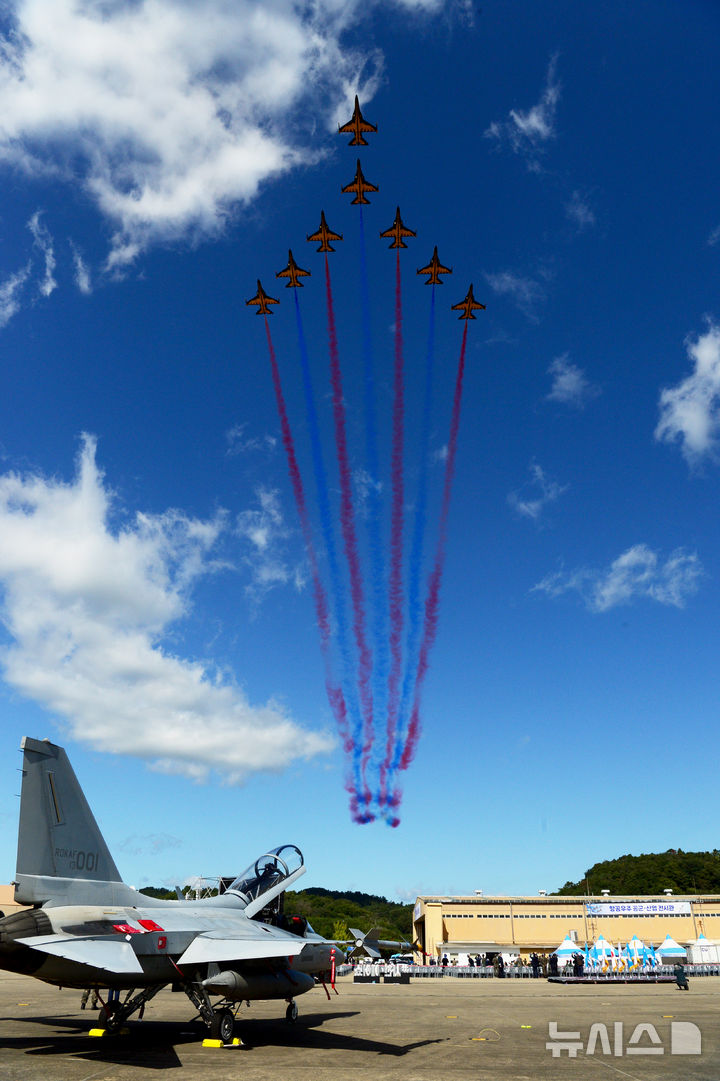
<point x="479" y="924"/>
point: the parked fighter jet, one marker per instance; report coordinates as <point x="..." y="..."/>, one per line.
<point x="398" y="230"/>
<point x="293" y="272"/>
<point x="434" y="268"/>
<point x="87" y="929"/>
<point x="467" y="305"/>
<point x="262" y="299"/>
<point x="324" y="235"/>
<point x="357" y="125"/>
<point x="359" y="185"/>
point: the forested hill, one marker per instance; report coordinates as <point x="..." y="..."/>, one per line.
<point x="681" y="872"/>
<point x="333" y="912"/>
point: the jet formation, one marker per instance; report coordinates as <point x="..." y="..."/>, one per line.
<point x="398" y="232"/>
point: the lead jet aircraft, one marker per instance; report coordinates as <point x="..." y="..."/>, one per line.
<point x="262" y="299"/>
<point x="324" y="235"/>
<point x="359" y="185"/>
<point x="293" y="272"/>
<point x="87" y="929"/>
<point x="467" y="306"/>
<point x="434" y="268"/>
<point x="357" y="125"/>
<point x="398" y="230"/>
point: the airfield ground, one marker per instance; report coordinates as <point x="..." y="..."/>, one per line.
<point x="432" y="1030"/>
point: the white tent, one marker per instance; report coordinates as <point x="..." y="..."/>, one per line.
<point x="670" y="948"/>
<point x="567" y="947"/>
<point x="703" y="951"/>
<point x="602" y="948"/>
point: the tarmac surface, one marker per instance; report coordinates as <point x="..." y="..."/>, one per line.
<point x="431" y="1030"/>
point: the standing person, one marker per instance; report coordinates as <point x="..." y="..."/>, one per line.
<point x="544" y="964"/>
<point x="445" y="960"/>
<point x="535" y="963"/>
<point x="680" y="978"/>
<point x="553" y="964"/>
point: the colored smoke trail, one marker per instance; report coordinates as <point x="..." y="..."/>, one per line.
<point x="432" y="603"/>
<point x="395" y="585"/>
<point x="328" y="534"/>
<point x="374" y="517"/>
<point x="334" y="693"/>
<point x="415" y="605"/>
<point x="347" y="519"/>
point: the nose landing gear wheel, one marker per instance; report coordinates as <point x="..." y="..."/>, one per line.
<point x="291" y="1012"/>
<point x="223" y="1026"/>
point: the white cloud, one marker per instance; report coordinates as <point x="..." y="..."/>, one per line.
<point x="265" y="533"/>
<point x="10" y="291"/>
<point x="714" y="236"/>
<point x="534" y="497"/>
<point x="170" y="115"/>
<point x="44" y="243"/>
<point x="637" y="573"/>
<point x="527" y="132"/>
<point x="526" y="293"/>
<point x="82" y="274"/>
<point x="579" y="212"/>
<point x="87" y="607"/>
<point x="690" y="411"/>
<point x="237" y="442"/>
<point x="570" y="384"/>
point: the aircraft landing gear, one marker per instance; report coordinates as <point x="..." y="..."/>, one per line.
<point x="222" y="1025"/>
<point x="291" y="1013"/>
<point x="114" y="1013"/>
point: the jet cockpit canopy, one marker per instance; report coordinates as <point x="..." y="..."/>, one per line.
<point x="269" y="876"/>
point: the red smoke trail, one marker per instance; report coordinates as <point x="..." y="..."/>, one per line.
<point x="334" y="693"/>
<point x="432" y="603"/>
<point x="396" y="541"/>
<point x="347" y="519"/>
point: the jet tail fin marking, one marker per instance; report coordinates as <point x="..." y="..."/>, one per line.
<point x="58" y="836"/>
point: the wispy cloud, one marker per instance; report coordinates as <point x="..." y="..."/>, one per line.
<point x="238" y="442"/>
<point x="533" y="498"/>
<point x="265" y="534"/>
<point x="636" y="574"/>
<point x="570" y="385"/>
<point x="81" y="272"/>
<point x="526" y="293"/>
<point x="527" y="132"/>
<point x="88" y="607"/>
<point x="168" y="118"/>
<point x="10" y="292"/>
<point x="579" y="212"/>
<point x="714" y="236"/>
<point x="690" y="411"/>
<point x="44" y="243"/>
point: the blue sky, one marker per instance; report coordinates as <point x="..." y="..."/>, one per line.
<point x="157" y="601"/>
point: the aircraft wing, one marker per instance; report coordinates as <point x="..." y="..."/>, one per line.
<point x="211" y="947"/>
<point x="98" y="951"/>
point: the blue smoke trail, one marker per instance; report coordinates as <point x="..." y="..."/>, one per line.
<point x="415" y="603"/>
<point x="374" y="528"/>
<point x="328" y="534"/>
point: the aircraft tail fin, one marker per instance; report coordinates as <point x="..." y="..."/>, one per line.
<point x="62" y="857"/>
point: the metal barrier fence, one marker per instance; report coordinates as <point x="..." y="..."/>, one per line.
<point x="482" y="972"/>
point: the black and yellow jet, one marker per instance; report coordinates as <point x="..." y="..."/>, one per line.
<point x="434" y="268"/>
<point x="261" y="299"/>
<point x="357" y="125"/>
<point x="324" y="235"/>
<point x="359" y="185"/>
<point x="468" y="305"/>
<point x="293" y="272"/>
<point x="398" y="231"/>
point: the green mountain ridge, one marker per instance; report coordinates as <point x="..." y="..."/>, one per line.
<point x="651" y="873"/>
